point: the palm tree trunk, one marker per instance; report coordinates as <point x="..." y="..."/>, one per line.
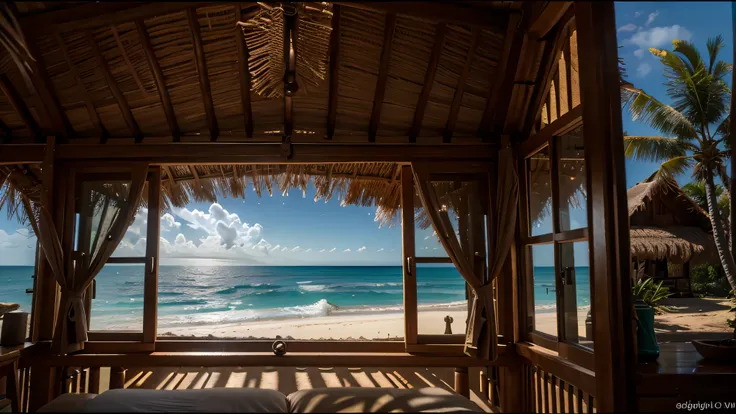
<point x="729" y="266"/>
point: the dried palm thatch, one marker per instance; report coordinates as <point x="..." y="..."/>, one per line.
<point x="11" y="37"/>
<point x="676" y="244"/>
<point x="264" y="35"/>
<point x="639" y="194"/>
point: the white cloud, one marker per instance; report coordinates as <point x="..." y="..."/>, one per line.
<point x="657" y="37"/>
<point x="323" y="250"/>
<point x="639" y="53"/>
<point x="332" y="249"/>
<point x="346" y="251"/>
<point x="169" y="223"/>
<point x="637" y="14"/>
<point x="361" y="249"/>
<point x="643" y="70"/>
<point x="284" y="249"/>
<point x="296" y="249"/>
<point x="380" y="250"/>
<point x="308" y="250"/>
<point x="652" y="16"/>
<point x="221" y="226"/>
<point x="627" y="28"/>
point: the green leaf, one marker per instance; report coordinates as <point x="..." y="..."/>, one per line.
<point x="657" y="115"/>
<point x="714" y="45"/>
<point x="650" y="148"/>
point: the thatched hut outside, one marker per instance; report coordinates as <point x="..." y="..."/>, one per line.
<point x="669" y="233"/>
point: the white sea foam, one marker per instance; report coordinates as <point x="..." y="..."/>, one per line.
<point x="304" y="282"/>
<point x="314" y="288"/>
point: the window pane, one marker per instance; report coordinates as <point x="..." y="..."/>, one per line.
<point x="571" y="167"/>
<point x="540" y="193"/>
<point x="118" y="303"/>
<point x="545" y="299"/>
<point x="576" y="292"/>
<point x="440" y="293"/>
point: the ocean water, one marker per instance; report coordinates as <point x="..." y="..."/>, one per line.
<point x="192" y="295"/>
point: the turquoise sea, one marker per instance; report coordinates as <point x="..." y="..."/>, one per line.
<point x="193" y="295"/>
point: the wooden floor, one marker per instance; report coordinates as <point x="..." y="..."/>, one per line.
<point x="288" y="380"/>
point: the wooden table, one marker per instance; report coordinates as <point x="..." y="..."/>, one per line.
<point x="681" y="374"/>
<point x="9" y="356"/>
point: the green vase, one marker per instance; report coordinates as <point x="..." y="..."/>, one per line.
<point x="646" y="339"/>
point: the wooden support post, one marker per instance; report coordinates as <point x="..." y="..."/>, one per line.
<point x="408" y="252"/>
<point x="608" y="216"/>
<point x="94" y="380"/>
<point x="388" y="37"/>
<point x="151" y="275"/>
<point x="462" y="386"/>
<point x="117" y="377"/>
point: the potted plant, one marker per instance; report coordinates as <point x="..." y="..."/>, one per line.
<point x="647" y="298"/>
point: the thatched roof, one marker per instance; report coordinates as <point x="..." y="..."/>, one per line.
<point x="676" y="244"/>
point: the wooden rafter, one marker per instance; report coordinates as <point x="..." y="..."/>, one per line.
<point x="434" y="60"/>
<point x="16" y="101"/>
<point x="568" y="67"/>
<point x="128" y="63"/>
<point x="388" y="36"/>
<point x="243" y="74"/>
<point x="290" y="85"/>
<point x="45" y="91"/>
<point x="204" y="79"/>
<point x="439" y="12"/>
<point x="460" y="88"/>
<point x="494" y="115"/>
<point x="550" y="58"/>
<point x="158" y="76"/>
<point x="551" y="14"/>
<point x="88" y="103"/>
<point x="95" y="15"/>
<point x="333" y="71"/>
<point x="115" y="89"/>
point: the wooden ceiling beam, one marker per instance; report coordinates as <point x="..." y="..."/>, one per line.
<point x="88" y="103"/>
<point x="552" y="13"/>
<point x="388" y="37"/>
<point x="113" y="86"/>
<point x="434" y="60"/>
<point x="158" y="76"/>
<point x="20" y="107"/>
<point x="460" y="88"/>
<point x="204" y="79"/>
<point x="270" y="153"/>
<point x="439" y="12"/>
<point x="126" y="58"/>
<point x="290" y="37"/>
<point x="95" y="15"/>
<point x="334" y="70"/>
<point x="497" y="105"/>
<point x="243" y="74"/>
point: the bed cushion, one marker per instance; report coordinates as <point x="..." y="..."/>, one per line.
<point x="378" y="400"/>
<point x="213" y="400"/>
<point x="67" y="403"/>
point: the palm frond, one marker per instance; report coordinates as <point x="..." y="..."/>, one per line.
<point x="649" y="148"/>
<point x="672" y="167"/>
<point x="659" y="116"/>
<point x="714" y="45"/>
<point x="694" y="61"/>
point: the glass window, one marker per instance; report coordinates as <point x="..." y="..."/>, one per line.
<point x="571" y="178"/>
<point x="544" y="292"/>
<point x="117" y="304"/>
<point x="441" y="292"/>
<point x="540" y="193"/>
<point x="576" y="294"/>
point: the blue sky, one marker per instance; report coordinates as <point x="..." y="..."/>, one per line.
<point x="306" y="232"/>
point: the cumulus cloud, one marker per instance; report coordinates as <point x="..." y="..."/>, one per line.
<point x="657" y="37"/>
<point x="223" y="226"/>
<point x="308" y="250"/>
<point x="652" y="17"/>
<point x="643" y="69"/>
<point x="332" y="249"/>
<point x="637" y="14"/>
<point x="639" y="53"/>
<point x="346" y="251"/>
<point x="361" y="249"/>
<point x="323" y="250"/>
<point x="380" y="250"/>
<point x="284" y="249"/>
<point x="627" y="28"/>
<point x="168" y="223"/>
<point x="296" y="249"/>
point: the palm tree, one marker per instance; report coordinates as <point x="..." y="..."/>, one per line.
<point x="696" y="127"/>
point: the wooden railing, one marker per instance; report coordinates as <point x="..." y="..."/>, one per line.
<point x="551" y="384"/>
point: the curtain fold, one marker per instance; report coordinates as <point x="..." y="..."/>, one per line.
<point x="71" y="322"/>
<point x="481" y="338"/>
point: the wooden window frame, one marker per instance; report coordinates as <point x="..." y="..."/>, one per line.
<point x="547" y="138"/>
<point x="150" y="259"/>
